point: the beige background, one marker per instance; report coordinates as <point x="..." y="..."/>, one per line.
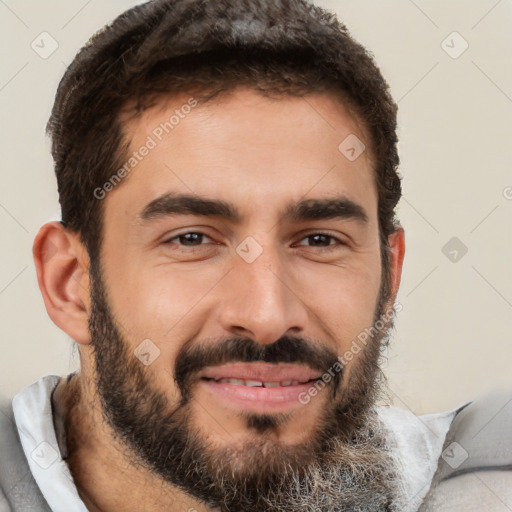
<point x="453" y="339"/>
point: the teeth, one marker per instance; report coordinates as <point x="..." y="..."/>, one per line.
<point x="236" y="382"/>
<point x="253" y="383"/>
<point x="258" y="383"/>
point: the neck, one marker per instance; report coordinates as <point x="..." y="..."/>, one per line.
<point x="108" y="477"/>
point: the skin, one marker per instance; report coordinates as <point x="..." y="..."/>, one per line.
<point x="260" y="155"/>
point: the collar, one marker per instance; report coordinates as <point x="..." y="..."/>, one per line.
<point x="33" y="413"/>
<point x="418" y="443"/>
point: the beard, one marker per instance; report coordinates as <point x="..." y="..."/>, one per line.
<point x="347" y="463"/>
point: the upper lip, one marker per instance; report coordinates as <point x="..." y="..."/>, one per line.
<point x="264" y="372"/>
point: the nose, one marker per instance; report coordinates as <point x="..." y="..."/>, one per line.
<point x="261" y="301"/>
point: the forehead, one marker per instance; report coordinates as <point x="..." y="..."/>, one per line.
<point x="248" y="149"/>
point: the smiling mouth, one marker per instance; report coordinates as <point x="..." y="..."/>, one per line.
<point x="261" y="384"/>
<point x="258" y="386"/>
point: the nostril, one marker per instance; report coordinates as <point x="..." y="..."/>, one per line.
<point x="241" y="331"/>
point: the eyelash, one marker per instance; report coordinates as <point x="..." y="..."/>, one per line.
<point x="325" y="248"/>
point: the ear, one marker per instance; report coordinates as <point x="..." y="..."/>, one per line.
<point x="396" y="259"/>
<point x="62" y="266"/>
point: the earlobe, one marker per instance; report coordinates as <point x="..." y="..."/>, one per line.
<point x="396" y="258"/>
<point x="62" y="267"/>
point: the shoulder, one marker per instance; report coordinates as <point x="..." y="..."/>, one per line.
<point x="18" y="490"/>
<point x="9" y="474"/>
<point x="8" y="434"/>
<point x="475" y="468"/>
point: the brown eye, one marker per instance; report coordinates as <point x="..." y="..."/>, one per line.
<point x="190" y="239"/>
<point x="321" y="240"/>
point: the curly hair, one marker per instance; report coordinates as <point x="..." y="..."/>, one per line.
<point x="166" y="47"/>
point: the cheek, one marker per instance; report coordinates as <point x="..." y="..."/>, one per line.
<point x="162" y="302"/>
<point x="343" y="299"/>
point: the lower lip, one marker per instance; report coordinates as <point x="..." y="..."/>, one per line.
<point x="258" y="398"/>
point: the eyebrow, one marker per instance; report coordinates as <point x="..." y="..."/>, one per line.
<point x="169" y="204"/>
<point x="304" y="210"/>
<point x="323" y="209"/>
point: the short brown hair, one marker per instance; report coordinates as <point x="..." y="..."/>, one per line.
<point x="164" y="47"/>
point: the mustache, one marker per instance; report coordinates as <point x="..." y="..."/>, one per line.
<point x="193" y="358"/>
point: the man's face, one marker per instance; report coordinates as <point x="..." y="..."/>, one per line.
<point x="218" y="318"/>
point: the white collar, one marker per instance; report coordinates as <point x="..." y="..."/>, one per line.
<point x="32" y="408"/>
<point x="419" y="443"/>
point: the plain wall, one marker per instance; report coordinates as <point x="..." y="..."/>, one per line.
<point x="452" y="340"/>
